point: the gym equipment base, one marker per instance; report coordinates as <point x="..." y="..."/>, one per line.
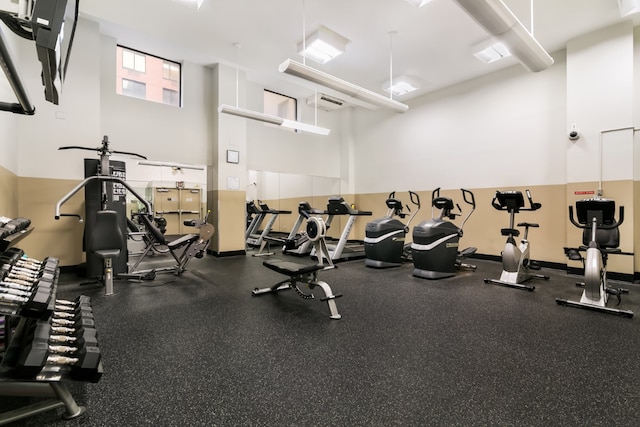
<point x="62" y="397"/>
<point x="304" y="274"/>
<point x="592" y="307"/>
<point x="523" y="286"/>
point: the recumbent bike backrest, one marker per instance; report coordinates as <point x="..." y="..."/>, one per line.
<point x="603" y="210"/>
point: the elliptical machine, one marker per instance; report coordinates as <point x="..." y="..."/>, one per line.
<point x="435" y="242"/>
<point x="516" y="265"/>
<point x="600" y="237"/>
<point x="384" y="244"/>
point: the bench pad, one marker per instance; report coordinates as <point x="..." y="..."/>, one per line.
<point x="291" y="268"/>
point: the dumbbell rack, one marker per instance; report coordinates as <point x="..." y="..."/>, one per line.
<point x="43" y="340"/>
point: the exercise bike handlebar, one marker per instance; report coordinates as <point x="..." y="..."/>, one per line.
<point x="415" y="198"/>
<point x="471" y="200"/>
<point x="614" y="224"/>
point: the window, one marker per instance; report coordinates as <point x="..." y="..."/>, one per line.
<point x="134" y="88"/>
<point x="171" y="71"/>
<point x="280" y="105"/>
<point x="145" y="76"/>
<point x="133" y="61"/>
<point x="170" y="97"/>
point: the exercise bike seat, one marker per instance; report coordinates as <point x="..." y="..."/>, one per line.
<point x="510" y="232"/>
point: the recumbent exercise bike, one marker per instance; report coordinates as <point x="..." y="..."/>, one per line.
<point x="600" y="237"/>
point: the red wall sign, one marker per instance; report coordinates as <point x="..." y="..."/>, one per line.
<point x="578" y="193"/>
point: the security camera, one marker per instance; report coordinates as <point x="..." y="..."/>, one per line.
<point x="573" y="133"/>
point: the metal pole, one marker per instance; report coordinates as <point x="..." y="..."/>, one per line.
<point x="25" y="106"/>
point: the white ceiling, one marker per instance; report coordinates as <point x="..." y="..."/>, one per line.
<point x="432" y="43"/>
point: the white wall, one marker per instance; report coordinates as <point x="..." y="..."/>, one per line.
<point x="90" y="108"/>
<point x="8" y="121"/>
<point x="504" y="129"/>
<point x="600" y="91"/>
<point x="76" y="121"/>
<point x="158" y="131"/>
<point x="279" y="150"/>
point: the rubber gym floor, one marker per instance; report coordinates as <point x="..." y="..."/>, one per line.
<point x="200" y="350"/>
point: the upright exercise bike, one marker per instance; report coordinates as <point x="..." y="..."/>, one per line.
<point x="384" y="244"/>
<point x="600" y="237"/>
<point x="516" y="265"/>
<point x="435" y="242"/>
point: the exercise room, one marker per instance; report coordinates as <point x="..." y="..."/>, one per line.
<point x="319" y="212"/>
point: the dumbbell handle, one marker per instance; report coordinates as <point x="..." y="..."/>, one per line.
<point x="64" y="349"/>
<point x="13" y="298"/>
<point x="62" y="360"/>
<point x="22" y="276"/>
<point x="18" y="281"/>
<point x="62" y="330"/>
<point x="61" y="338"/>
<point x="17" y="292"/>
<point x="26" y="271"/>
<point x="12" y="285"/>
<point x="29" y="261"/>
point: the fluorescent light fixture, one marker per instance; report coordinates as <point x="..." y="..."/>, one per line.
<point x="401" y="86"/>
<point x="498" y="20"/>
<point x="315" y="76"/>
<point x="323" y="45"/>
<point x="628" y="7"/>
<point x="490" y="51"/>
<point x="193" y="4"/>
<point x="419" y="3"/>
<point x="170" y="165"/>
<point x="274" y="120"/>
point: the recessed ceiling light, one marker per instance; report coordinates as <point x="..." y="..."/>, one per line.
<point x="401" y="86"/>
<point x="193" y="4"/>
<point x="323" y="45"/>
<point x="418" y="3"/>
<point x="628" y="7"/>
<point x="490" y="51"/>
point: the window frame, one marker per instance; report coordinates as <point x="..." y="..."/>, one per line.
<point x="159" y="74"/>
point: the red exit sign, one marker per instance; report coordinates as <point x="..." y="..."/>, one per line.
<point x="581" y="193"/>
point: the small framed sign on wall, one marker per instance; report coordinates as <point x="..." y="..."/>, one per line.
<point x="233" y="156"/>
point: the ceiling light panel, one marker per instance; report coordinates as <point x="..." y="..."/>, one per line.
<point x="323" y="45"/>
<point x="628" y="7"/>
<point x="419" y="3"/>
<point x="490" y="51"/>
<point x="193" y="4"/>
<point x="401" y="86"/>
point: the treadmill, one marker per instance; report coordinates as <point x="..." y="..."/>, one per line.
<point x="345" y="249"/>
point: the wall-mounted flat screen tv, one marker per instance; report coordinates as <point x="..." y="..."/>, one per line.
<point x="54" y="24"/>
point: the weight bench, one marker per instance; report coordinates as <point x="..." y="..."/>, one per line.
<point x="305" y="273"/>
<point x="193" y="244"/>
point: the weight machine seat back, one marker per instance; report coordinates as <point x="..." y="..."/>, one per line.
<point x="153" y="230"/>
<point x="159" y="237"/>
